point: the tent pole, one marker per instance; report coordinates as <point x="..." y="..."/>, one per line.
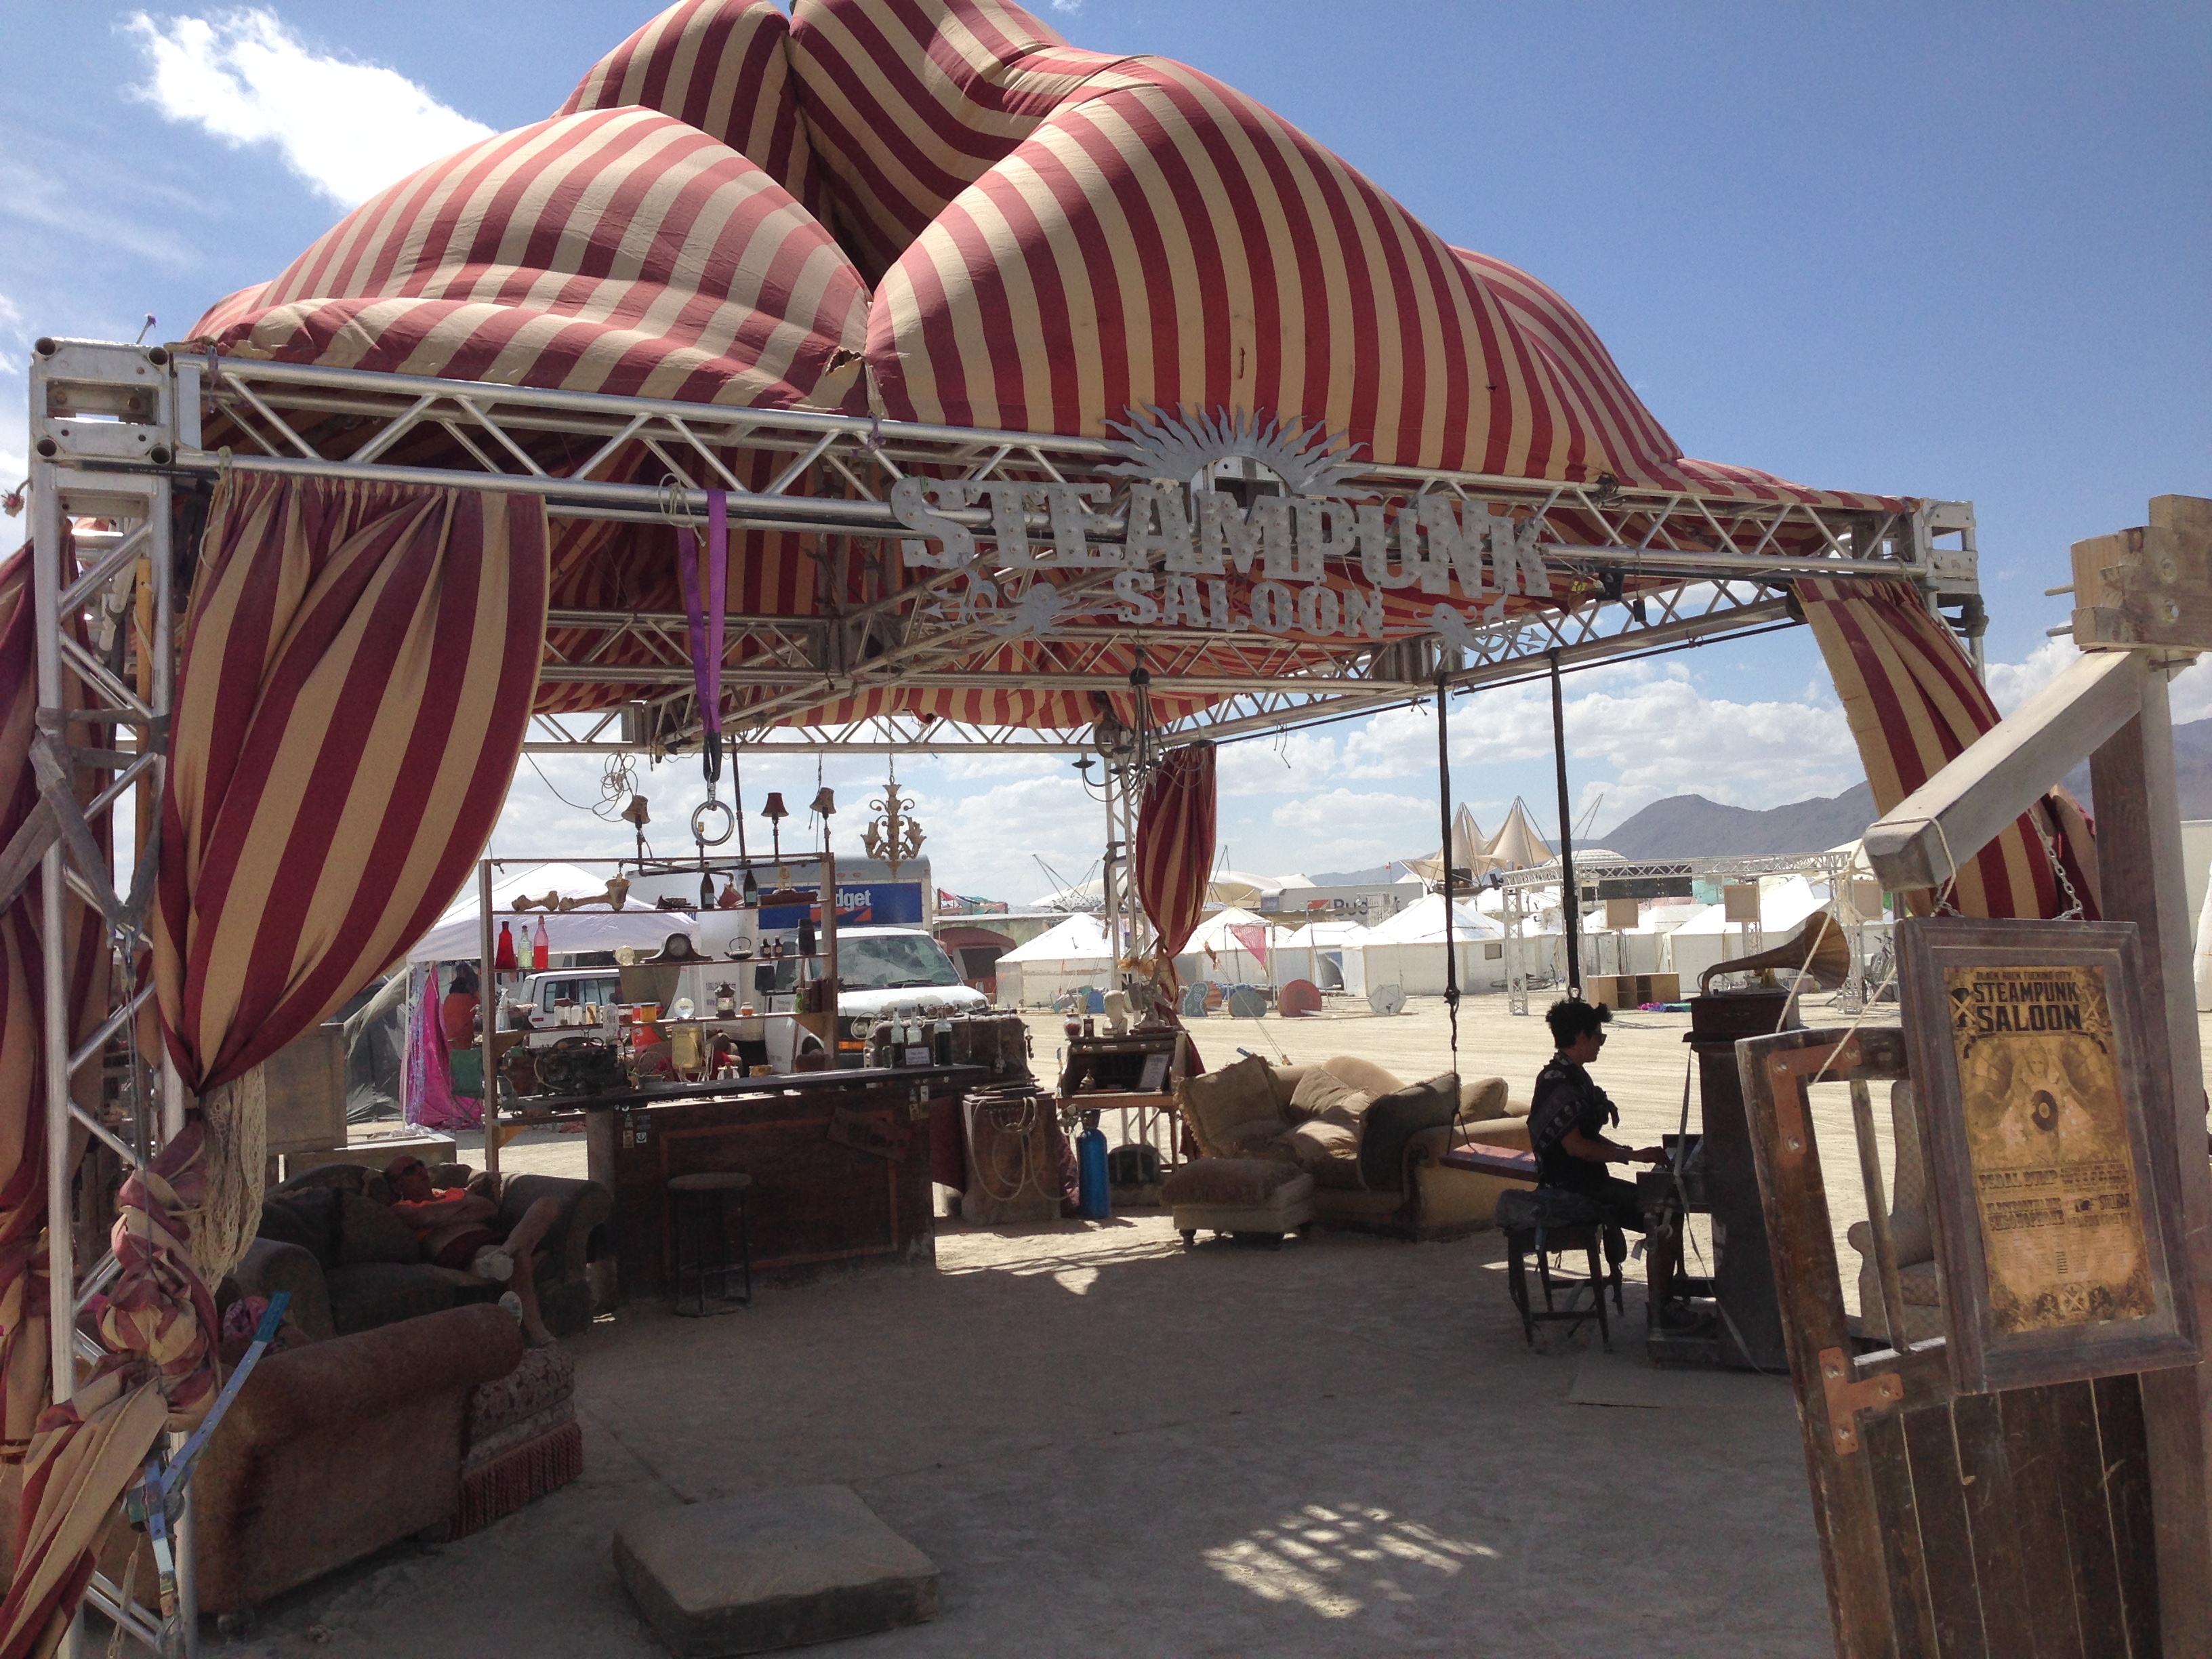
<point x="1444" y="811"/>
<point x="487" y="1014"/>
<point x="1570" y="913"/>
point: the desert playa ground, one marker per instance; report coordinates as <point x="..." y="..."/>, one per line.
<point x="1112" y="1446"/>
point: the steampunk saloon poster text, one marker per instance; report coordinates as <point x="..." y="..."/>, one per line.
<point x="2047" y="1142"/>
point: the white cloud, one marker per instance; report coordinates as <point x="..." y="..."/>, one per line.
<point x="14" y="439"/>
<point x="347" y="129"/>
<point x="2012" y="683"/>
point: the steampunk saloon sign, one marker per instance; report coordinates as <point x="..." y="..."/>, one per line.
<point x="2049" y="1148"/>
<point x="1280" y="551"/>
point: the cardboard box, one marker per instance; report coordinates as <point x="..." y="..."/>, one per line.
<point x="1619" y="991"/>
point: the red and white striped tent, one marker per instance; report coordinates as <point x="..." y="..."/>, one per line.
<point x="913" y="224"/>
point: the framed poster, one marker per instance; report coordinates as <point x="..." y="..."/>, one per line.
<point x="2048" y="1138"/>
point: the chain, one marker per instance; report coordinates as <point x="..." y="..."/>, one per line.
<point x="2058" y="871"/>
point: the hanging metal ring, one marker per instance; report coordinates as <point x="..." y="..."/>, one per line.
<point x="698" y="822"/>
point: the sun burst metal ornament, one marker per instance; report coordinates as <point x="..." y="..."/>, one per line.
<point x="894" y="837"/>
<point x="1182" y="444"/>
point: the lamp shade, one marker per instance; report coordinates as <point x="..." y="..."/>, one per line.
<point x="825" y="802"/>
<point x="775" y="808"/>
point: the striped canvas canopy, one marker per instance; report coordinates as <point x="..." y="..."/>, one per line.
<point x="939" y="211"/>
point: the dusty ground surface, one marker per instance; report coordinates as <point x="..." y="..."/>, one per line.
<point x="1110" y="1446"/>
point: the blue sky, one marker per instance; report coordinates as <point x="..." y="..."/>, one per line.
<point x="1949" y="251"/>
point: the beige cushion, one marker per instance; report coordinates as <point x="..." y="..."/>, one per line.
<point x="1229" y="1181"/>
<point x="1327" y="1151"/>
<point x="1321" y="1094"/>
<point x="1217" y="1102"/>
<point x="1364" y="1075"/>
<point x="1481" y="1098"/>
<point x="1263" y="1139"/>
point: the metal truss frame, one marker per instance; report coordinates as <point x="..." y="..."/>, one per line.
<point x="105" y="669"/>
<point x="1703" y="565"/>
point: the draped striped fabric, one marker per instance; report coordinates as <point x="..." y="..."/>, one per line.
<point x="1914" y="706"/>
<point x="722" y="68"/>
<point x="1052" y="235"/>
<point x="1175" y="850"/>
<point x="357" y="673"/>
<point x="616" y="251"/>
<point x="88" y="1450"/>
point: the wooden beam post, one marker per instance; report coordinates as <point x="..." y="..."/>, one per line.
<point x="2141" y="876"/>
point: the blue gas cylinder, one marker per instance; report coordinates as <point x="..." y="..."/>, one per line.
<point x="1093" y="1199"/>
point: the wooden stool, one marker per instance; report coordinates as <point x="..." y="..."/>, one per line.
<point x="1547" y="1220"/>
<point x="695" y="1198"/>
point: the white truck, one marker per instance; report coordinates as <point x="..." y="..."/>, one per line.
<point x="880" y="969"/>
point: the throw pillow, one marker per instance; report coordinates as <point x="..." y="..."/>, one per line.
<point x="1216" y="1103"/>
<point x="1323" y="1095"/>
<point x="1327" y="1151"/>
<point x="1394" y="1119"/>
<point x="369" y="1232"/>
<point x="306" y="1217"/>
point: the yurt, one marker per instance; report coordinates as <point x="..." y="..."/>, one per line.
<point x="1408" y="950"/>
<point x="1066" y="957"/>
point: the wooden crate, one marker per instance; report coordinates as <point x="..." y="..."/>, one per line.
<point x="1619" y="991"/>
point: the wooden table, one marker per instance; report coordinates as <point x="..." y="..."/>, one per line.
<point x="1106" y="1074"/>
<point x="839" y="1162"/>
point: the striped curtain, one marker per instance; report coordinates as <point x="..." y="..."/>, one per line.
<point x="1175" y="850"/>
<point x="1914" y="706"/>
<point x="357" y="673"/>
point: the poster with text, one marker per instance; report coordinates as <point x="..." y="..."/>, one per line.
<point x="2062" y="1225"/>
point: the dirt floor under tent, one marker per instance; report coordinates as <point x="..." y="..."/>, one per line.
<point x="1112" y="1446"/>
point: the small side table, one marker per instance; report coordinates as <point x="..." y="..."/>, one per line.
<point x="698" y="1218"/>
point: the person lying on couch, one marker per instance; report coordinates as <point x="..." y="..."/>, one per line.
<point x="459" y="1229"/>
<point x="1568" y="1116"/>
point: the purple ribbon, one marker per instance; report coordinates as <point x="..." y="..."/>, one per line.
<point x="706" y="620"/>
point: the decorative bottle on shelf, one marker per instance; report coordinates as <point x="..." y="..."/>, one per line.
<point x="502" y="960"/>
<point x="541" y="948"/>
<point x="806" y="936"/>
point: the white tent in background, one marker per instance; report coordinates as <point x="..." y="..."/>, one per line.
<point x="1241" y="889"/>
<point x="1321" y="951"/>
<point x="1408" y="950"/>
<point x="1066" y="956"/>
<point x="1216" y="954"/>
<point x="457" y="936"/>
<point x="1516" y="845"/>
<point x="1641" y="949"/>
<point x="1709" y="936"/>
<point x="1470" y="850"/>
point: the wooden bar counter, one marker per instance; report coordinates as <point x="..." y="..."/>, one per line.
<point x="839" y="1162"/>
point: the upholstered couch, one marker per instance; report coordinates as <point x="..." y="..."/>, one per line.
<point x="1372" y="1143"/>
<point x="335" y="1450"/>
<point x="1912" y="1236"/>
<point x="351" y="1265"/>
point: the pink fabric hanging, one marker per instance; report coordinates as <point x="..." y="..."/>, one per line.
<point x="431" y="1101"/>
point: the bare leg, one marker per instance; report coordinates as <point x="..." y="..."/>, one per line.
<point x="522" y="1244"/>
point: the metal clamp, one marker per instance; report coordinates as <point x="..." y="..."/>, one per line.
<point x="698" y="815"/>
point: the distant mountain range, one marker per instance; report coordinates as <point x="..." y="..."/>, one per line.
<point x="1689" y="825"/>
<point x="2192" y="771"/>
<point x="1360" y="877"/>
<point x="1684" y="826"/>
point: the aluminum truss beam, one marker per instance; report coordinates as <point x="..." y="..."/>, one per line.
<point x="831" y="476"/>
<point x="106" y="627"/>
